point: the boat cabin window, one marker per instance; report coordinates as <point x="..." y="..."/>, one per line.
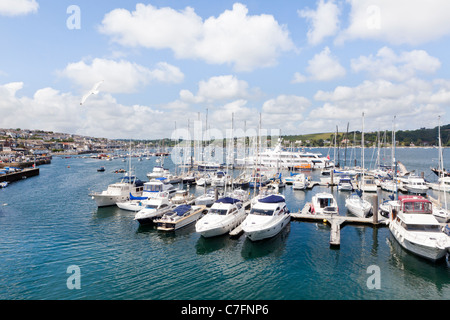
<point x="151" y="206"/>
<point x="221" y="212"/>
<point x="326" y="202"/>
<point x="417" y="207"/>
<point x="153" y="187"/>
<point x="261" y="212"/>
<point x="422" y="227"/>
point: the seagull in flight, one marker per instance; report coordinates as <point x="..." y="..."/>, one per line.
<point x="94" y="90"/>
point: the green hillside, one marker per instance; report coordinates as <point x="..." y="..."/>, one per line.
<point x="419" y="137"/>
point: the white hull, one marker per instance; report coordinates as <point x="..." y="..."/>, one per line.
<point x="172" y="225"/>
<point x="358" y="207"/>
<point x="410" y="242"/>
<point x="106" y="200"/>
<point x="147" y="216"/>
<point x="388" y="186"/>
<point x="219" y="228"/>
<point x="132" y="205"/>
<point x="416" y="190"/>
<point x="257" y="233"/>
<point x="345" y="187"/>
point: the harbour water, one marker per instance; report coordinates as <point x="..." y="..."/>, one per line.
<point x="48" y="223"/>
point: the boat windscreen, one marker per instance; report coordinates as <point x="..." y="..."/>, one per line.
<point x="262" y="212"/>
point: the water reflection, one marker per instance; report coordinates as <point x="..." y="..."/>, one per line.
<point x="209" y="245"/>
<point x="274" y="245"/>
<point x="418" y="272"/>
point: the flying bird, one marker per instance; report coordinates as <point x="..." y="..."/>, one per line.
<point x="94" y="90"/>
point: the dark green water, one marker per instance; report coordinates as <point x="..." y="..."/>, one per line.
<point x="48" y="223"/>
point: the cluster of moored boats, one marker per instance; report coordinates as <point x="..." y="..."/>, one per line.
<point x="160" y="203"/>
<point x="416" y="222"/>
<point x="412" y="219"/>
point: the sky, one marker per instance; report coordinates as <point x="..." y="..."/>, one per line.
<point x="304" y="66"/>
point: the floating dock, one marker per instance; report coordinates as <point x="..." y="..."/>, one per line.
<point x="236" y="232"/>
<point x="337" y="222"/>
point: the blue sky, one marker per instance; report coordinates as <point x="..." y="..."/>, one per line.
<point x="307" y="66"/>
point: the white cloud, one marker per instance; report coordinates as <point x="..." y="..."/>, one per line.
<point x="322" y="67"/>
<point x="324" y="21"/>
<point x="219" y="88"/>
<point x="299" y="78"/>
<point x="119" y="76"/>
<point x="18" y="7"/>
<point x="397" y="22"/>
<point x="411" y="101"/>
<point x="234" y="37"/>
<point x="284" y="113"/>
<point x="388" y="65"/>
<point x="50" y="109"/>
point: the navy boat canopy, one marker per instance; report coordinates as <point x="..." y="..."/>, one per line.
<point x="272" y="199"/>
<point x="228" y="200"/>
<point x="137" y="198"/>
<point x="181" y="210"/>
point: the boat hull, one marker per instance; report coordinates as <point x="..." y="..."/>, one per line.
<point x="432" y="253"/>
<point x="267" y="232"/>
<point x="164" y="225"/>
<point x="219" y="228"/>
<point x="107" y="200"/>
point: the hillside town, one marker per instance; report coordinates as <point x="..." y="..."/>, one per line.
<point x="21" y="145"/>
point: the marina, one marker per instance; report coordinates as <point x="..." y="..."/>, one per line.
<point x="114" y="250"/>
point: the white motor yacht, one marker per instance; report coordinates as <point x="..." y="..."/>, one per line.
<point x="155" y="187"/>
<point x="389" y="185"/>
<point x="368" y="184"/>
<point x="182" y="196"/>
<point x="358" y="206"/>
<point x="119" y="192"/>
<point x="415" y="184"/>
<point x="413" y="225"/>
<point x="323" y="203"/>
<point x="443" y="184"/>
<point x="179" y="217"/>
<point x="300" y="182"/>
<point x="267" y="217"/>
<point x="224" y="215"/>
<point x="206" y="199"/>
<point x="154" y="208"/>
<point x="345" y="184"/>
<point x="158" y="172"/>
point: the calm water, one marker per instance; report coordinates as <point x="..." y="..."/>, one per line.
<point x="48" y="223"/>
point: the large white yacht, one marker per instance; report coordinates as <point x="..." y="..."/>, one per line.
<point x="413" y="225"/>
<point x="267" y="217"/>
<point x="224" y="215"/>
<point x="279" y="158"/>
<point x="119" y="192"/>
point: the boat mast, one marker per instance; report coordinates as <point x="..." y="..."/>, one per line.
<point x="394" y="162"/>
<point x="441" y="166"/>
<point x="362" y="146"/>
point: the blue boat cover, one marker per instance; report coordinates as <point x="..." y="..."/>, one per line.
<point x="137" y="198"/>
<point x="182" y="209"/>
<point x="227" y="200"/>
<point x="272" y="199"/>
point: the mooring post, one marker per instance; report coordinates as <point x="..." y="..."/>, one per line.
<point x="375" y="210"/>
